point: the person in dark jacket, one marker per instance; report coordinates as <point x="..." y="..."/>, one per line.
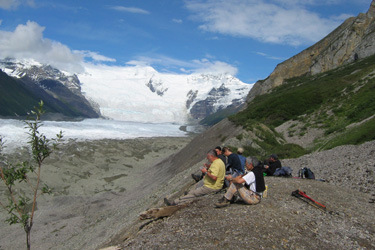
<point x="234" y="162"/>
<point x="272" y="164"/>
<point x="242" y="158"/>
<point x="233" y="166"/>
<point x="249" y="187"/>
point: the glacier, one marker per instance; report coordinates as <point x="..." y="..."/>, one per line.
<point x="142" y="94"/>
<point x="15" y="135"/>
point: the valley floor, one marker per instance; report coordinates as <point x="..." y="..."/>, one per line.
<point x="97" y="191"/>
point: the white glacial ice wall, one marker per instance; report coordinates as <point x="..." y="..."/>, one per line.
<point x="124" y="93"/>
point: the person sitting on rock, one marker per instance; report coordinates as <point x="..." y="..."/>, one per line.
<point x="249" y="187"/>
<point x="212" y="182"/>
<point x="272" y="164"/>
<point x="233" y="166"/>
<point x="242" y="158"/>
<point x="198" y="177"/>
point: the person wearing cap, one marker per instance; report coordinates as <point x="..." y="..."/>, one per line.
<point x="272" y="164"/>
<point x="249" y="187"/>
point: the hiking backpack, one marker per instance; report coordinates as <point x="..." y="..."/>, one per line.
<point x="306" y="173"/>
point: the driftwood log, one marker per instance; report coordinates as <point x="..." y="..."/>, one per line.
<point x="155" y="213"/>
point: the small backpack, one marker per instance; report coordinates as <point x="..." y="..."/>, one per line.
<point x="306" y="173"/>
<point x="283" y="171"/>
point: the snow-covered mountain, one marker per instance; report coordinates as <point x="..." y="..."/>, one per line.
<point x="39" y="72"/>
<point x="140" y="94"/>
<point x="144" y="95"/>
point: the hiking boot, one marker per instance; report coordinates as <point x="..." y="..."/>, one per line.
<point x="223" y="202"/>
<point x="169" y="203"/>
<point x="196" y="177"/>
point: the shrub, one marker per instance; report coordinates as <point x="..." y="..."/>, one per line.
<point x="12" y="175"/>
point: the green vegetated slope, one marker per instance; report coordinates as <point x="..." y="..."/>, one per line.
<point x="15" y="99"/>
<point x="341" y="102"/>
<point x="219" y="115"/>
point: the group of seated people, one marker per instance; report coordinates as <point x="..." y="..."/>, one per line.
<point x="243" y="177"/>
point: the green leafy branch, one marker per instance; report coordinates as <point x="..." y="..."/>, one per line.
<point x="12" y="175"/>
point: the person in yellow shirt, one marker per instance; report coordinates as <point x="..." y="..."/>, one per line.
<point x="212" y="182"/>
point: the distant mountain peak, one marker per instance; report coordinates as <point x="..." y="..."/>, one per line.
<point x="39" y="72"/>
<point x="156" y="86"/>
<point x="142" y="94"/>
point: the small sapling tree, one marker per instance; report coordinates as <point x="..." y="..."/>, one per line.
<point x="21" y="205"/>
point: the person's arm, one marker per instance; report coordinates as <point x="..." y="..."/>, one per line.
<point x="213" y="177"/>
<point x="238" y="180"/>
<point x="205" y="171"/>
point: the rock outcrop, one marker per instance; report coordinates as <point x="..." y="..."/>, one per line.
<point x="352" y="40"/>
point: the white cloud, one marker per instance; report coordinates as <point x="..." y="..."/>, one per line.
<point x="214" y="67"/>
<point x="9" y="4"/>
<point x="94" y="56"/>
<point x="176" y="20"/>
<point x="27" y="42"/>
<point x="160" y="60"/>
<point x="14" y="4"/>
<point x="187" y="67"/>
<point x="270" y="57"/>
<point x="130" y="9"/>
<point x="280" y="22"/>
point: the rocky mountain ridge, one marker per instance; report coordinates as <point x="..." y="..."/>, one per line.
<point x="217" y="98"/>
<point x="28" y="82"/>
<point x="352" y="40"/>
<point x="200" y="103"/>
<point x="39" y="72"/>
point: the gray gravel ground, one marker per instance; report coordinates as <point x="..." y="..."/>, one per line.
<point x="97" y="191"/>
<point x="102" y="186"/>
<point x="281" y="221"/>
<point x="346" y="166"/>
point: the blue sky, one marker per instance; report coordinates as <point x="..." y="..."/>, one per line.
<point x="246" y="38"/>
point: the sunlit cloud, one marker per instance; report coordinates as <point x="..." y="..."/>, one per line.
<point x="279" y="22"/>
<point x="130" y="9"/>
<point x="27" y="42"/>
